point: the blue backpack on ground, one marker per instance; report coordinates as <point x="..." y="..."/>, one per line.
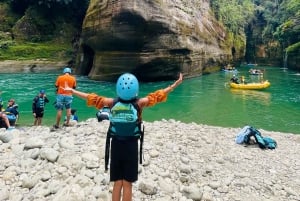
<point x="270" y="143"/>
<point x="241" y="135"/>
<point x="247" y="132"/>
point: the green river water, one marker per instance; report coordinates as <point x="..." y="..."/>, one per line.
<point x="203" y="100"/>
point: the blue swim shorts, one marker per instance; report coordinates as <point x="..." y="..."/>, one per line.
<point x="63" y="101"/>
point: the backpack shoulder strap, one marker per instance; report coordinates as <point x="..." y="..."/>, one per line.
<point x="258" y="138"/>
<point x="107" y="148"/>
<point x="139" y="111"/>
<point x="115" y="101"/>
<point x="260" y="141"/>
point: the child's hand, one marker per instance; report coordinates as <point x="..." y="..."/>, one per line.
<point x="174" y="85"/>
<point x="67" y="88"/>
<point x="179" y="81"/>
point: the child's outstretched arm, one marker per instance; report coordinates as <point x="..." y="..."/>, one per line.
<point x="91" y="98"/>
<point x="75" y="92"/>
<point x="174" y="85"/>
<point x="159" y="95"/>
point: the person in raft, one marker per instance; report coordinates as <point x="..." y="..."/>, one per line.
<point x="124" y="153"/>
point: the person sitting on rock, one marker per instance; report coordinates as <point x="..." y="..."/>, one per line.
<point x="4" y="121"/>
<point x="12" y="111"/>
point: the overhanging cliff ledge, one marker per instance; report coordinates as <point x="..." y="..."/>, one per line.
<point x="152" y="39"/>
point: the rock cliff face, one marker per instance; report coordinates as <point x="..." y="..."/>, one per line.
<point x="154" y="39"/>
<point x="294" y="61"/>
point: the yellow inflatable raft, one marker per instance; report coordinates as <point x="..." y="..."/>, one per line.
<point x="262" y="85"/>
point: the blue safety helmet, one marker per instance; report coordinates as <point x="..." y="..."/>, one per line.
<point x="67" y="70"/>
<point x="127" y="87"/>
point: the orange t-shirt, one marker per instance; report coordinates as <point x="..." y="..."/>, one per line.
<point x="63" y="81"/>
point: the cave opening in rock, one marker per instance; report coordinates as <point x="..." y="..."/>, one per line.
<point x="86" y="60"/>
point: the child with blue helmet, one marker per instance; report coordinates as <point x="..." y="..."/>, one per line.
<point x="124" y="151"/>
<point x="38" y="107"/>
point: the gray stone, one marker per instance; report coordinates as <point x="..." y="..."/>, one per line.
<point x="49" y="154"/>
<point x="187" y="174"/>
<point x="6" y="137"/>
<point x="33" y="142"/>
<point x="148" y="187"/>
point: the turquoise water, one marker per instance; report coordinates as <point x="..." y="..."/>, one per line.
<point x="204" y="100"/>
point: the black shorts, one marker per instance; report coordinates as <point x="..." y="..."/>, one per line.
<point x="124" y="160"/>
<point x="39" y="113"/>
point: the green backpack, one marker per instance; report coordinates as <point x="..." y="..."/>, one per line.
<point x="124" y="119"/>
<point x="125" y="123"/>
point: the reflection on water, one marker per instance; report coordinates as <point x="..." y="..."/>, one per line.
<point x="262" y="96"/>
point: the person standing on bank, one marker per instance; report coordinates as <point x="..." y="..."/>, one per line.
<point x="64" y="98"/>
<point x="124" y="150"/>
<point x="38" y="107"/>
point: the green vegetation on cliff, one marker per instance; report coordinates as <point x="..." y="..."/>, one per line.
<point x="51" y="28"/>
<point x="31" y="29"/>
<point x="275" y="27"/>
<point x="269" y="25"/>
<point x="293" y="48"/>
<point x="31" y="51"/>
<point x="234" y="14"/>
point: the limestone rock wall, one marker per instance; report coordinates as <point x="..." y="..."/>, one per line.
<point x="154" y="39"/>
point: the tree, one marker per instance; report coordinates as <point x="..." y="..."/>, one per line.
<point x="73" y="10"/>
<point x="287" y="32"/>
<point x="234" y="14"/>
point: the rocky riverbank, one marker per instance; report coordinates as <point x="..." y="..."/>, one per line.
<point x="183" y="162"/>
<point x="40" y="65"/>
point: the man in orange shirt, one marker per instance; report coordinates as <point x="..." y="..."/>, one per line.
<point x="64" y="98"/>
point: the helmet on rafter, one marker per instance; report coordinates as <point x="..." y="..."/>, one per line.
<point x="127" y="87"/>
<point x="67" y="70"/>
